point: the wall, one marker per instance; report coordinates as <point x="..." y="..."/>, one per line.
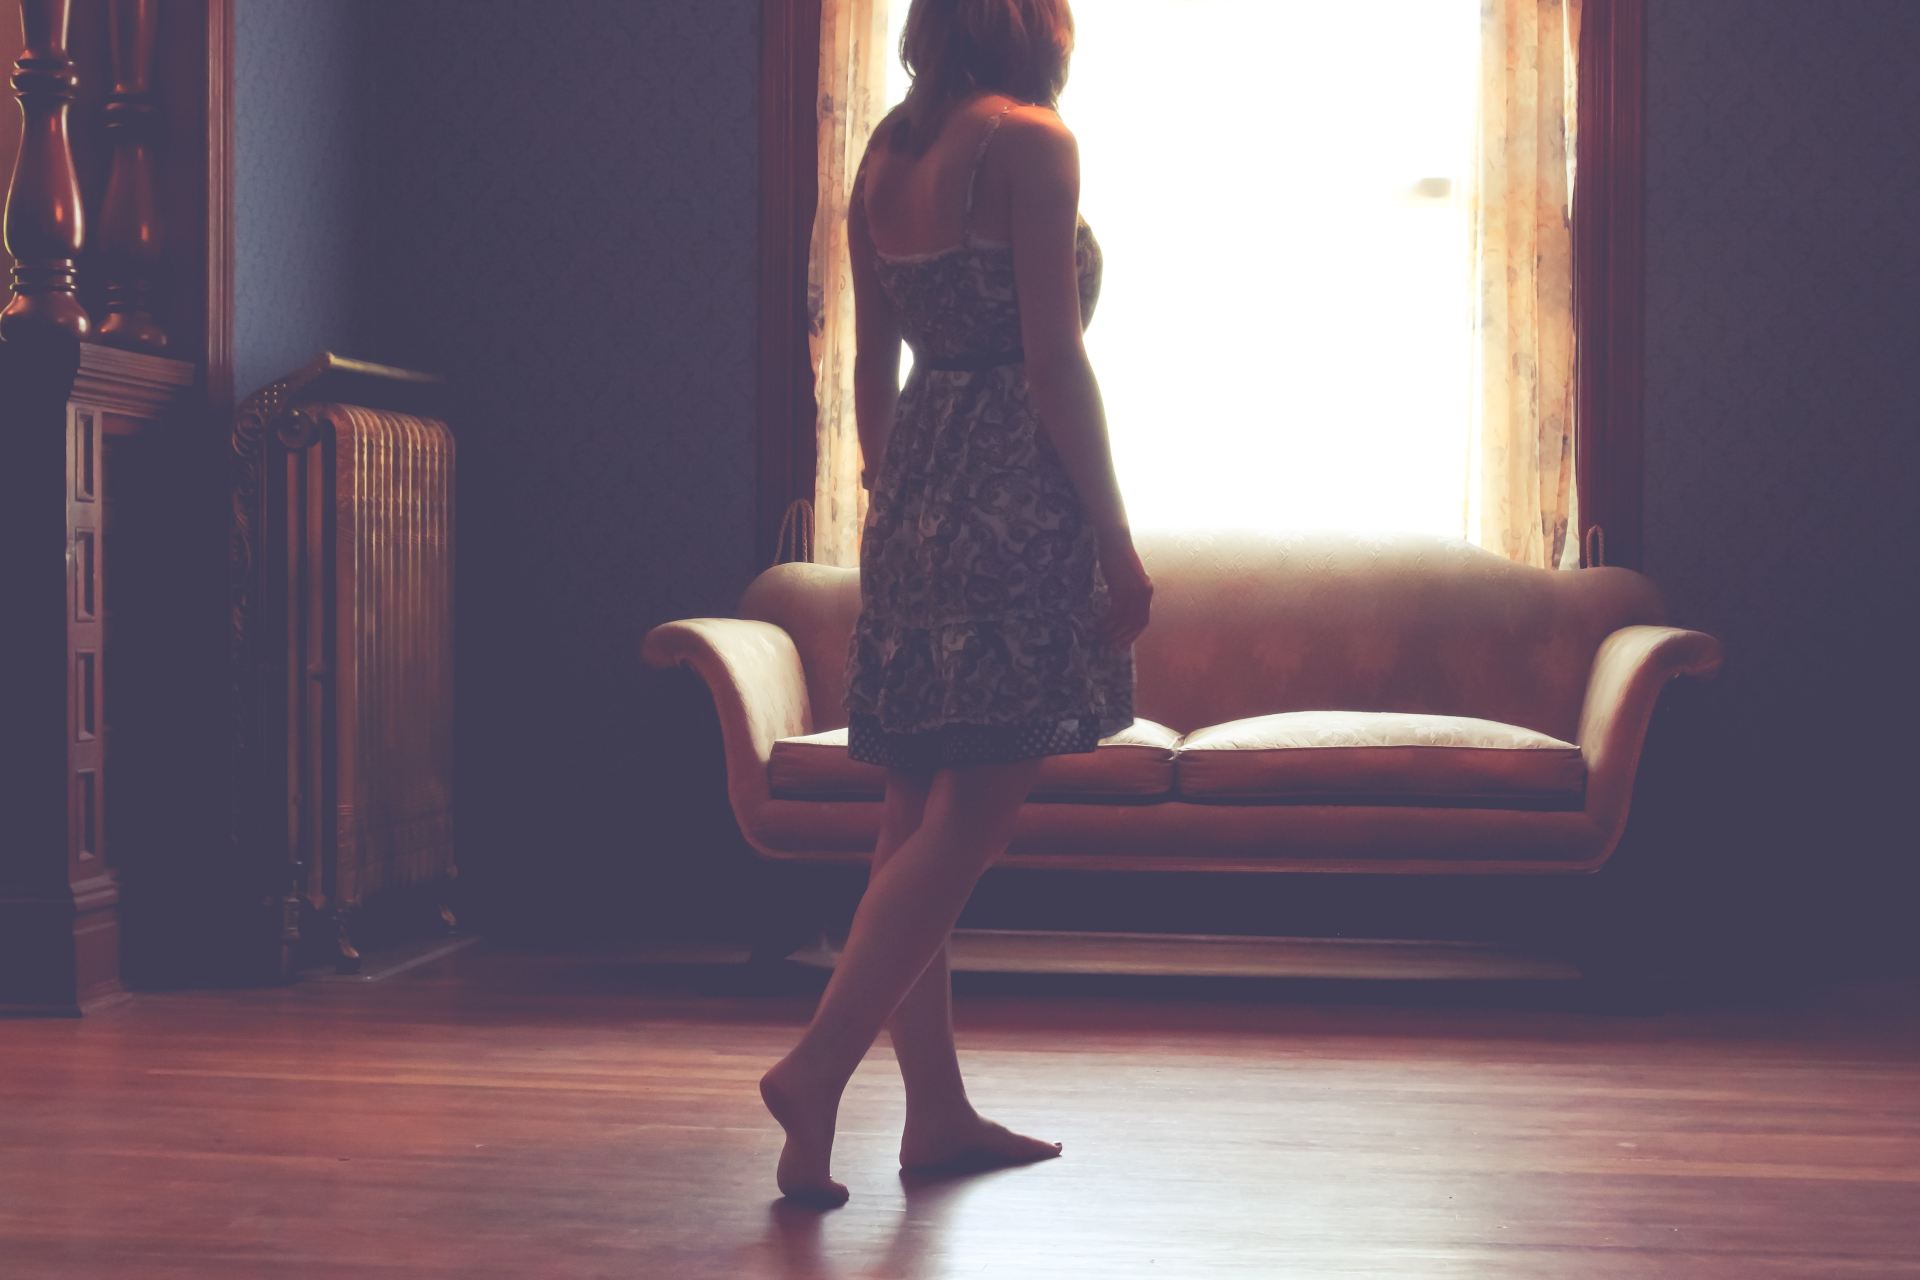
<point x="560" y="215"/>
<point x="298" y="138"/>
<point x="1783" y="175"/>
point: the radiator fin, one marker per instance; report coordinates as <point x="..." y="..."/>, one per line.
<point x="379" y="754"/>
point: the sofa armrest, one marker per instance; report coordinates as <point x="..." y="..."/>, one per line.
<point x="759" y="692"/>
<point x="1631" y="667"/>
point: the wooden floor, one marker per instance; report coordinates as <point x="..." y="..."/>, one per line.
<point x="540" y="1117"/>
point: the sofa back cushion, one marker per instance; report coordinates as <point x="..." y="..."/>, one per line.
<point x="1246" y="625"/>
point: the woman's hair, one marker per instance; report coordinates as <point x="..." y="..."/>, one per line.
<point x="952" y="48"/>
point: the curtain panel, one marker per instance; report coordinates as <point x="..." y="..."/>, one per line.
<point x="853" y="81"/>
<point x="1521" y="492"/>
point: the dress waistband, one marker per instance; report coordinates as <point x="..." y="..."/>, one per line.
<point x="968" y="363"/>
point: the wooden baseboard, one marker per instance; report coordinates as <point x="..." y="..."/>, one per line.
<point x="58" y="957"/>
<point x="385" y="962"/>
<point x="1232" y="956"/>
<point x="1184" y="955"/>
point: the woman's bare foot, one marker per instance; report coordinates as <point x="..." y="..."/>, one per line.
<point x="968" y="1142"/>
<point x="806" y="1109"/>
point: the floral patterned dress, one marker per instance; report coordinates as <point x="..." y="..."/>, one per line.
<point x="980" y="583"/>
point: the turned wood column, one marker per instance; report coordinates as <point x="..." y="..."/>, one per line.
<point x="44" y="228"/>
<point x="130" y="245"/>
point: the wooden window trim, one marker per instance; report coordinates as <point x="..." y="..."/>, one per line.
<point x="789" y="134"/>
<point x="1609" y="250"/>
<point x="219" y="247"/>
<point x="1609" y="280"/>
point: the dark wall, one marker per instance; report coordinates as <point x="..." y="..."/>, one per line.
<point x="1783" y="179"/>
<point x="560" y="215"/>
<point x="297" y="170"/>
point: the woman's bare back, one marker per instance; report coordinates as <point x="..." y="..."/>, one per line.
<point x="916" y="205"/>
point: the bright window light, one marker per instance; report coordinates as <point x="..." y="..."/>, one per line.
<point x="1280" y="189"/>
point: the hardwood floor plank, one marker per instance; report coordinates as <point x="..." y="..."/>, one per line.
<point x="493" y="1114"/>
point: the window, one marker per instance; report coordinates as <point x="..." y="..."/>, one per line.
<point x="1283" y="333"/>
<point x="1402" y="307"/>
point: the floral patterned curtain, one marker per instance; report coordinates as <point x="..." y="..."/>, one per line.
<point x="853" y="81"/>
<point x="1520" y="499"/>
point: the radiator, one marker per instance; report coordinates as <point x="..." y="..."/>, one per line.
<point x="369" y="509"/>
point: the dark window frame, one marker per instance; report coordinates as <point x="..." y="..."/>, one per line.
<point x="1609" y="280"/>
<point x="789" y="135"/>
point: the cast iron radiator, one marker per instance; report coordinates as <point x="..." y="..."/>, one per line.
<point x="355" y="602"/>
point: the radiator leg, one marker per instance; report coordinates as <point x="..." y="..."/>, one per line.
<point x="346" y="955"/>
<point x="448" y="888"/>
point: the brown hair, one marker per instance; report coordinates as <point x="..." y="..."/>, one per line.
<point x="955" y="47"/>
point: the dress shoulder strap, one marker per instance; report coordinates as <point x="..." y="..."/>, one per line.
<point x="979" y="154"/>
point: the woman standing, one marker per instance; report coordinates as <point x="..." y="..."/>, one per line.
<point x="1000" y="589"/>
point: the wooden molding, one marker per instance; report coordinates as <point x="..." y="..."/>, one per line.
<point x="789" y="81"/>
<point x="1609" y="253"/>
<point x="219" y="208"/>
<point x="130" y="381"/>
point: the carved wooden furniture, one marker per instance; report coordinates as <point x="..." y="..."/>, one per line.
<point x="129" y="216"/>
<point x="44" y="224"/>
<point x="342" y="580"/>
<point x="60" y="864"/>
<point x="103" y="479"/>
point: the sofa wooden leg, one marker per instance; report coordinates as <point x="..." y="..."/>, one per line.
<point x="770" y="949"/>
<point x="785" y="918"/>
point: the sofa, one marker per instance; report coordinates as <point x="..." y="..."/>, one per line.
<point x="1391" y="704"/>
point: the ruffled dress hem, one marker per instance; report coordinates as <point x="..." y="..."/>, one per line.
<point x="961" y="743"/>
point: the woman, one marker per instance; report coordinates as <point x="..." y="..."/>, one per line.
<point x="1000" y="589"/>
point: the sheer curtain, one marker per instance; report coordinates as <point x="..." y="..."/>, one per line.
<point x="1521" y="495"/>
<point x="1373" y="331"/>
<point x="853" y="86"/>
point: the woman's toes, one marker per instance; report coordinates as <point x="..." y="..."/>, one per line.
<point x="979" y="1144"/>
<point x="826" y="1195"/>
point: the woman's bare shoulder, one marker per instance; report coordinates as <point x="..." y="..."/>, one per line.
<point x="1038" y="144"/>
<point x="1039" y="124"/>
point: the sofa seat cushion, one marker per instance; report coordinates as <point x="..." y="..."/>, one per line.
<point x="1379" y="757"/>
<point x="1134" y="764"/>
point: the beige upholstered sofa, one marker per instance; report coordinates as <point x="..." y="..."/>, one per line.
<point x="1314" y="702"/>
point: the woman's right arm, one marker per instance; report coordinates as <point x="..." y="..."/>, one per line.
<point x="1044" y="178"/>
<point x="877" y="338"/>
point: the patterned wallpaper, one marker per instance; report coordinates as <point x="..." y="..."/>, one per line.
<point x="1783" y="426"/>
<point x="298" y="131"/>
<point x="559" y="213"/>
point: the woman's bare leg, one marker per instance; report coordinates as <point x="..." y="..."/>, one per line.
<point x="942" y="1127"/>
<point x="904" y="917"/>
<point x="921" y="1026"/>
